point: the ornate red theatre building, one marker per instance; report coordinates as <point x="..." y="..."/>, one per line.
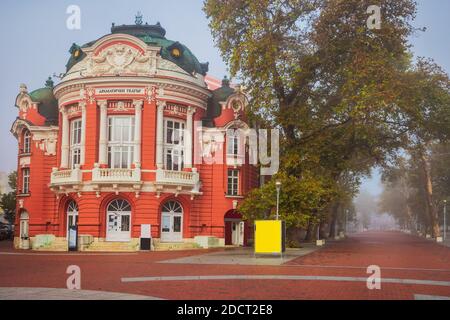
<point x="109" y="155"/>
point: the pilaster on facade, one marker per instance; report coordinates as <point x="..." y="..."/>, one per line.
<point x="103" y="139"/>
<point x="137" y="131"/>
<point x="188" y="146"/>
<point x="83" y="133"/>
<point x="65" y="139"/>
<point x="160" y="133"/>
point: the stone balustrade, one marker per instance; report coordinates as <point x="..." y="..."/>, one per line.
<point x="115" y="175"/>
<point x="66" y="176"/>
<point x="179" y="178"/>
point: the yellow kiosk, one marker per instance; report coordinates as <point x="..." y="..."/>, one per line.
<point x="270" y="237"/>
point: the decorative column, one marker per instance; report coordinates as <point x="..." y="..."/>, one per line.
<point x="102" y="152"/>
<point x="137" y="131"/>
<point x="65" y="139"/>
<point x="188" y="138"/>
<point x="83" y="132"/>
<point x="160" y="133"/>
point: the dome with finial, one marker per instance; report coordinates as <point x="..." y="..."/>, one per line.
<point x="153" y="35"/>
<point x="47" y="103"/>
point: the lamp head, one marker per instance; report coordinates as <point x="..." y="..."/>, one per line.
<point x="278" y="185"/>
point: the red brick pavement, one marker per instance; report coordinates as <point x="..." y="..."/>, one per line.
<point x="349" y="257"/>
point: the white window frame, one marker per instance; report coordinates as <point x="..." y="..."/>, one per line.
<point x="75" y="142"/>
<point x="27" y="141"/>
<point x="233" y="143"/>
<point x="233" y="182"/>
<point x="120" y="149"/>
<point x="174" y="144"/>
<point x="121" y="210"/>
<point x="26" y="180"/>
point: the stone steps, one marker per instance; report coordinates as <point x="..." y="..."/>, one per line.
<point x="172" y="246"/>
<point x="111" y="246"/>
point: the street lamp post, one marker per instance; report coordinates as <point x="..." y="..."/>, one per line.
<point x="278" y="186"/>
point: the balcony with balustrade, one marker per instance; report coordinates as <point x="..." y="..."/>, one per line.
<point x="181" y="180"/>
<point x="71" y="180"/>
<point x="66" y="176"/>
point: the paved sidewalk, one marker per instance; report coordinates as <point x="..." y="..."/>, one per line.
<point x="447" y="241"/>
<point x="245" y="256"/>
<point x="15" y="293"/>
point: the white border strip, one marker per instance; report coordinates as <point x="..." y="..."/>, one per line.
<point x="285" y="277"/>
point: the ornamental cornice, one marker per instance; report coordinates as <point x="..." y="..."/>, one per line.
<point x="168" y="89"/>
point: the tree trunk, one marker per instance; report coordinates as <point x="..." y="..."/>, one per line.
<point x="409" y="215"/>
<point x="409" y="222"/>
<point x="333" y="221"/>
<point x="309" y="231"/>
<point x="432" y="212"/>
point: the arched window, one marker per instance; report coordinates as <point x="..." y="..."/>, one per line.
<point x="26" y="142"/>
<point x="118" y="219"/>
<point x="119" y="205"/>
<point x="172" y="207"/>
<point x="172" y="222"/>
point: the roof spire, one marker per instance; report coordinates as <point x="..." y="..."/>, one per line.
<point x="138" y="18"/>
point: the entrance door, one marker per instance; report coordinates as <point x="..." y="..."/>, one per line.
<point x="237" y="233"/>
<point x="172" y="222"/>
<point x="24" y="228"/>
<point x="241" y="233"/>
<point x="72" y="225"/>
<point x="118" y="220"/>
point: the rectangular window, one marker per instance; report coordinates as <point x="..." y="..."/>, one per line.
<point x="173" y="144"/>
<point x="120" y="141"/>
<point x="27" y="142"/>
<point x="233" y="143"/>
<point x="233" y="182"/>
<point x="26" y="180"/>
<point x="75" y="142"/>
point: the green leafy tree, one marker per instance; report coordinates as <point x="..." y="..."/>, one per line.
<point x="8" y="200"/>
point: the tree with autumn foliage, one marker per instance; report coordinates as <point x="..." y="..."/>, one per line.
<point x="313" y="69"/>
<point x="425" y="117"/>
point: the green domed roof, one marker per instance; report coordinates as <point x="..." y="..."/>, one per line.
<point x="153" y="35"/>
<point x="214" y="109"/>
<point x="47" y="103"/>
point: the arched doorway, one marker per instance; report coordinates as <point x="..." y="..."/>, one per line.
<point x="24" y="230"/>
<point x="118" y="219"/>
<point x="234" y="228"/>
<point x="72" y="225"/>
<point x="172" y="222"/>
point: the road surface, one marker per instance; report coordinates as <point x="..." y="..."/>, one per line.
<point x="411" y="268"/>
